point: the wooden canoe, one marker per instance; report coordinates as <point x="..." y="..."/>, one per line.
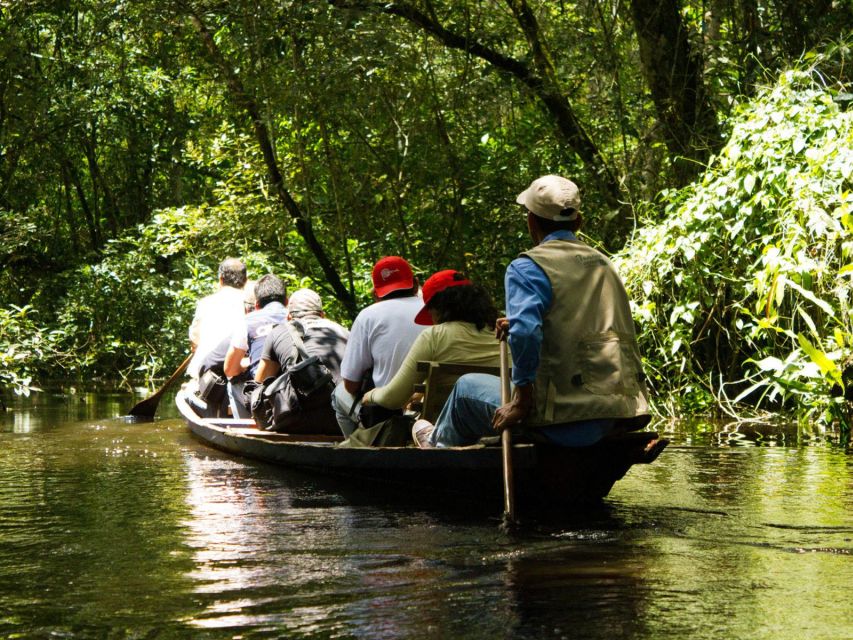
<point x="543" y="474"/>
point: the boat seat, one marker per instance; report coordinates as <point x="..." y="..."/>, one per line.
<point x="438" y="383"/>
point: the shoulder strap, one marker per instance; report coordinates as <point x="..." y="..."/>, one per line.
<point x="298" y="345"/>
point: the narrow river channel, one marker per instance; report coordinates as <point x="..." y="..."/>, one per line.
<point x="117" y="530"/>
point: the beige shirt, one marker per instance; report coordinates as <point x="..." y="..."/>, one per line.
<point x="449" y="342"/>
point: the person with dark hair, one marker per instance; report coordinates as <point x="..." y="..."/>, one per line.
<point x="321" y="337"/>
<point x="577" y="372"/>
<point x="216" y="315"/>
<point x="247" y="341"/>
<point x="379" y="339"/>
<point x="460" y="319"/>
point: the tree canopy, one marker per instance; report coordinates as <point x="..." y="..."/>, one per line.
<point x="142" y="142"/>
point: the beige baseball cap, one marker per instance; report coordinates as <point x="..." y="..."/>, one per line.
<point x="549" y="196"/>
<point x="304" y="302"/>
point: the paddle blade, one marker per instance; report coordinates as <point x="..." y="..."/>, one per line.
<point x="145" y="408"/>
<point x="148" y="407"/>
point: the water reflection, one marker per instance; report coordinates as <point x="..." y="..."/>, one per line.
<point x="703" y="432"/>
<point x="60" y="404"/>
<point x="284" y="555"/>
<point x="110" y="529"/>
<point x="566" y="589"/>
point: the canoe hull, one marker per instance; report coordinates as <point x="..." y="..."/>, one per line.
<point x="543" y="475"/>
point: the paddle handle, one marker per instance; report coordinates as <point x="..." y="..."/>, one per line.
<point x="178" y="372"/>
<point x="506" y="439"/>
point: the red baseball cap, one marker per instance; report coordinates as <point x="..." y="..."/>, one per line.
<point x="390" y="274"/>
<point x="436" y="283"/>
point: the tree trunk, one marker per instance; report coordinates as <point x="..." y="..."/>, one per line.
<point x="92" y="223"/>
<point x="246" y="102"/>
<point x="109" y="210"/>
<point x="66" y="203"/>
<point x="674" y="73"/>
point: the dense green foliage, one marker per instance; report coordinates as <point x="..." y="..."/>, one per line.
<point x="142" y="142"/>
<point x="743" y="289"/>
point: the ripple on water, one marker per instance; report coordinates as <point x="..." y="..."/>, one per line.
<point x="117" y="530"/>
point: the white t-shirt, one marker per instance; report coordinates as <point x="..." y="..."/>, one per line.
<point x="216" y="317"/>
<point x="380" y="338"/>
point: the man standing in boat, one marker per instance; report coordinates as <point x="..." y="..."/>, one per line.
<point x="577" y="372"/>
<point x="380" y="338"/>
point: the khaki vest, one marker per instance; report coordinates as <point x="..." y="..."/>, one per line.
<point x="590" y="363"/>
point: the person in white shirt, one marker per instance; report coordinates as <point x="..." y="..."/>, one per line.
<point x="217" y="315"/>
<point x="380" y="338"/>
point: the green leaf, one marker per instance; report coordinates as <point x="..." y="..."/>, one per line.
<point x="770" y="363"/>
<point x="808" y="295"/>
<point x="827" y="367"/>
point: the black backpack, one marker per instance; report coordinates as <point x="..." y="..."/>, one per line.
<point x="294" y="400"/>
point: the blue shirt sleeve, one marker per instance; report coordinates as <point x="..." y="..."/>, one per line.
<point x="528" y="298"/>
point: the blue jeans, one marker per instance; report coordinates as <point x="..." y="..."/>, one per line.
<point x="235" y="399"/>
<point x="467" y="417"/>
<point x="342" y="402"/>
<point x="467" y="414"/>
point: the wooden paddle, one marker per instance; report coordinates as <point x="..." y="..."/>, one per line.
<point x="148" y="407"/>
<point x="506" y="440"/>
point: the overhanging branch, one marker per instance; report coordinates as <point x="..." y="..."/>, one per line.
<point x="246" y="102"/>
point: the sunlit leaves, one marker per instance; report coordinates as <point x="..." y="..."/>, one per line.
<point x="23" y="343"/>
<point x="760" y="254"/>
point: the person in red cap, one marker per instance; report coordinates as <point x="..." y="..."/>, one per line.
<point x="577" y="372"/>
<point x="379" y="339"/>
<point x="460" y="319"/>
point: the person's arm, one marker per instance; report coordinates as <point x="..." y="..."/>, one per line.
<point x="266" y="369"/>
<point x="515" y="410"/>
<point x="396" y="393"/>
<point x="237" y="350"/>
<point x="233" y="362"/>
<point x="195" y="328"/>
<point x="277" y="348"/>
<point x="353" y="388"/>
<point x="357" y="356"/>
<point x="528" y="297"/>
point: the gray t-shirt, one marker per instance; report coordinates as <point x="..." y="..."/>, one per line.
<point x="382" y="335"/>
<point x="322" y="338"/>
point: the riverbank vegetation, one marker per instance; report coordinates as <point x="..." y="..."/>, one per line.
<point x="141" y="142"/>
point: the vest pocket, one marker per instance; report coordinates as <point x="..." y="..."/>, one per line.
<point x="605" y="364"/>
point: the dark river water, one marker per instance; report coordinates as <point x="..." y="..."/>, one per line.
<point x="116" y="530"/>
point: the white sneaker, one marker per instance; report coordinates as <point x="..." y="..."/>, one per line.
<point x="421" y="431"/>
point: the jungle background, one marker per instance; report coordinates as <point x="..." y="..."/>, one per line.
<point x="142" y="142"/>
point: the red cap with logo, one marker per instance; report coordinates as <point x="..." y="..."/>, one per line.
<point x="437" y="283"/>
<point x="390" y="274"/>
